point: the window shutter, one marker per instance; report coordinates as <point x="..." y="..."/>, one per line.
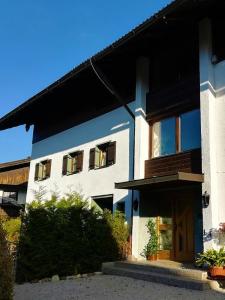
<point x="48" y="168"/>
<point x="36" y="176"/>
<point x="92" y="159"/>
<point x="111" y="153"/>
<point x="80" y="161"/>
<point x="64" y="166"/>
<point x="97" y="157"/>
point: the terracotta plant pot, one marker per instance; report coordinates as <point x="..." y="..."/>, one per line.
<point x="152" y="257"/>
<point x="217" y="272"/>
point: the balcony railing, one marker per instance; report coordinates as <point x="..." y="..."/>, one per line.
<point x="8" y="200"/>
<point x="189" y="162"/>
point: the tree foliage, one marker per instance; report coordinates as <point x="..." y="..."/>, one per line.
<point x="6" y="268"/>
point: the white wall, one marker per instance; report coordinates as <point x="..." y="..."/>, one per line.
<point x="116" y="126"/>
<point x="212" y="102"/>
<point x="141" y="150"/>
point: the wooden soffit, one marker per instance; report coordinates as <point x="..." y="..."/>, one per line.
<point x="14" y="177"/>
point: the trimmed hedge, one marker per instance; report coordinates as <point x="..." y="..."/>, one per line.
<point x="6" y="268"/>
<point x="65" y="237"/>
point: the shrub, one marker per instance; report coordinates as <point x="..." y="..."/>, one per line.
<point x="12" y="228"/>
<point x="152" y="246"/>
<point x="211" y="258"/>
<point x="65" y="237"/>
<point x="6" y="267"/>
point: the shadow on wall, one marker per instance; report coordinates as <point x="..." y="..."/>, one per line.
<point x="101" y="127"/>
<point x="216" y="85"/>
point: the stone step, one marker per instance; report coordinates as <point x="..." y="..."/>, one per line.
<point x="168" y="268"/>
<point x="154" y="276"/>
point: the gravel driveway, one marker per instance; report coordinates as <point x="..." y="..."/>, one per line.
<point x="108" y="288"/>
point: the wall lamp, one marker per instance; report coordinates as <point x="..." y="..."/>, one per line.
<point x="205" y="199"/>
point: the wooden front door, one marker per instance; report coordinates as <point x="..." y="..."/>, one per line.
<point x="175" y="226"/>
<point x="183" y="229"/>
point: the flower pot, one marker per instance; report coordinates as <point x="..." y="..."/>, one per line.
<point x="217" y="272"/>
<point x="152" y="257"/>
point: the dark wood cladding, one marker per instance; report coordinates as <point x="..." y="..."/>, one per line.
<point x="180" y="95"/>
<point x="189" y="162"/>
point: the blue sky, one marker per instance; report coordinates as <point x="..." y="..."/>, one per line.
<point x="42" y="40"/>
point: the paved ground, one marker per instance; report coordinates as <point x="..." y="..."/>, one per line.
<point x="108" y="288"/>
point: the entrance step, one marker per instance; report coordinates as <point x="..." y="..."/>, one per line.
<point x="160" y="272"/>
<point x="165" y="267"/>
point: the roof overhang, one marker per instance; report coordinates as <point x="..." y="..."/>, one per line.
<point x="179" y="177"/>
<point x="118" y="60"/>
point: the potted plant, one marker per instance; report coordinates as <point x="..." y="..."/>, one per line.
<point x="151" y="249"/>
<point x="214" y="260"/>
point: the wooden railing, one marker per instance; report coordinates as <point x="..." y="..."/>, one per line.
<point x="189" y="162"/>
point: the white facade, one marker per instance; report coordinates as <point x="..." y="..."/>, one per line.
<point x="212" y="102"/>
<point x="118" y="126"/>
<point x="115" y="126"/>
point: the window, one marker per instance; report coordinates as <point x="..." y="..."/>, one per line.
<point x="43" y="170"/>
<point x="103" y="202"/>
<point x="121" y="206"/>
<point x="176" y="134"/>
<point x="164" y="137"/>
<point x="190" y="131"/>
<point x="72" y="163"/>
<point x="103" y="155"/>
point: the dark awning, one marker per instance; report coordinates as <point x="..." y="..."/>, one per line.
<point x="179" y="177"/>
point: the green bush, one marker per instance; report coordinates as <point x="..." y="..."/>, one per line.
<point x="211" y="258"/>
<point x="12" y="228"/>
<point x="65" y="237"/>
<point x="152" y="246"/>
<point x="6" y="267"/>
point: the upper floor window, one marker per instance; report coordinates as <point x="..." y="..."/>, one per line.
<point x="72" y="163"/>
<point x="190" y="131"/>
<point x="43" y="170"/>
<point x="102" y="155"/>
<point x="164" y="137"/>
<point x="176" y="134"/>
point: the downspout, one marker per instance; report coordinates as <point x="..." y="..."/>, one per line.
<point x="108" y="85"/>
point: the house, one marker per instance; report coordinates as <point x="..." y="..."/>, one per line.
<point x="13" y="186"/>
<point x="141" y="127"/>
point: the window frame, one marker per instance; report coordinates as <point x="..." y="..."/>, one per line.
<point x="47" y="163"/>
<point x="177" y="117"/>
<point x="73" y="155"/>
<point x="92" y="165"/>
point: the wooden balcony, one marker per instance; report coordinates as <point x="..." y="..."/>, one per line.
<point x="189" y="162"/>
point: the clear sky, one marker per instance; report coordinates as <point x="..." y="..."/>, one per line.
<point x="42" y="40"/>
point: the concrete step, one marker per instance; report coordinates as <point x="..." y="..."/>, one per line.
<point x="155" y="276"/>
<point x="164" y="267"/>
